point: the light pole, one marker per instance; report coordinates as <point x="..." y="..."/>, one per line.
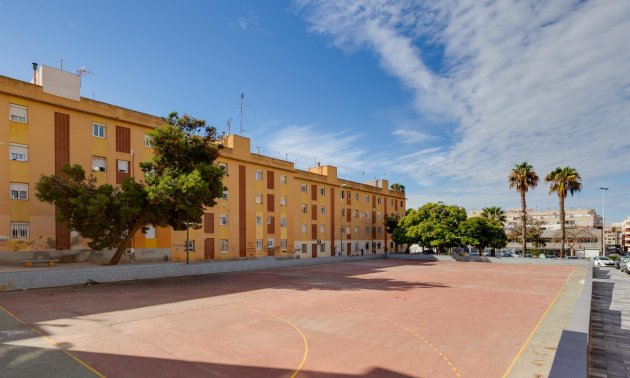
<point x="187" y="242"/>
<point x="341" y="222"/>
<point x="603" y="189"/>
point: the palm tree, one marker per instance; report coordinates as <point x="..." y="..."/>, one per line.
<point x="523" y="177"/>
<point x="494" y="213"/>
<point x="400" y="188"/>
<point x="563" y="181"/>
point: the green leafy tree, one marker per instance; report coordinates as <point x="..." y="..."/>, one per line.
<point x="433" y="225"/>
<point x="494" y="213"/>
<point x="563" y="181"/>
<point x="523" y="177"/>
<point x="396" y="187"/>
<point x="180" y="180"/>
<point x="481" y="233"/>
<point x="391" y="225"/>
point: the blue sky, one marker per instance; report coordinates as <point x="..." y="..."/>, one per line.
<point x="444" y="98"/>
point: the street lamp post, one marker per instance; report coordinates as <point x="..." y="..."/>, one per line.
<point x="187" y="242"/>
<point x="603" y="189"/>
<point x="341" y="223"/>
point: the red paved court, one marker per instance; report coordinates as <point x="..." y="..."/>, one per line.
<point x="380" y="318"/>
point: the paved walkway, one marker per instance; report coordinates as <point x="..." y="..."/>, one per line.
<point x="610" y="324"/>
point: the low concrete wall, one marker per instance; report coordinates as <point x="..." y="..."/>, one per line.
<point x="85" y="255"/>
<point x="571" y="359"/>
<point x="40" y="278"/>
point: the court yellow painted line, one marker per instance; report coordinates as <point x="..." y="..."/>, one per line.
<point x="54" y="343"/>
<point x="518" y="355"/>
<point x="407" y="329"/>
<point x="299" y="368"/>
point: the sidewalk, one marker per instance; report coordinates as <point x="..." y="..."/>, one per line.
<point x="610" y="326"/>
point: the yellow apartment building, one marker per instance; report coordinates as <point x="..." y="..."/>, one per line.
<point x="270" y="208"/>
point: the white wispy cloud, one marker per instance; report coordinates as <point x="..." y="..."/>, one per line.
<point x="412" y="136"/>
<point x="541" y="81"/>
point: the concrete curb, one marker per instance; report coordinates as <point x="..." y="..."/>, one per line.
<point x="571" y="359"/>
<point x="495" y="260"/>
<point x="43" y="278"/>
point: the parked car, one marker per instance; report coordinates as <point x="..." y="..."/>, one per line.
<point x="602" y="261"/>
<point x="428" y="252"/>
<point x="623" y="263"/>
<point x="550" y="256"/>
<point x="626" y="266"/>
<point x="620" y="261"/>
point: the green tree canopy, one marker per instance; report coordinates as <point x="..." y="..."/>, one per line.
<point x="481" y="232"/>
<point x="180" y="180"/>
<point x="396" y="187"/>
<point x="432" y="225"/>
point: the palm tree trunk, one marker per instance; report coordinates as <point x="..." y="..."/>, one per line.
<point x="125" y="243"/>
<point x="562" y="229"/>
<point x="524" y="210"/>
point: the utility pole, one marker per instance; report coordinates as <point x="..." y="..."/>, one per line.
<point x="242" y="97"/>
<point x="603" y="189"/>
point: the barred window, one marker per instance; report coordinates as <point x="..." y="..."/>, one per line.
<point x="19" y="230"/>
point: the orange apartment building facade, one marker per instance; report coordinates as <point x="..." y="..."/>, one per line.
<point x="269" y="207"/>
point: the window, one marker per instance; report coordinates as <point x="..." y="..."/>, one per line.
<point x="304" y="248"/>
<point x="283" y="222"/>
<point x="18" y="152"/>
<point x="259" y="198"/>
<point x="223" y="219"/>
<point x="268" y="220"/>
<point x="378" y="215"/>
<point x="283" y="200"/>
<point x="322" y="247"/>
<point x="322" y="210"/>
<point x="19" y="230"/>
<point x="258" y="220"/>
<point x="378" y="200"/>
<point x="223" y="167"/>
<point x="367" y="214"/>
<point x="322" y="229"/>
<point x="378" y="230"/>
<point x="98" y="130"/>
<point x="356" y="229"/>
<point x="225" y="195"/>
<point x="259" y="244"/>
<point x="303" y="188"/>
<point x="148" y="140"/>
<point x="191" y="245"/>
<point x="283" y="179"/>
<point x="283" y="243"/>
<point x="356" y="213"/>
<point x="343" y="229"/>
<point x="259" y="175"/>
<point x="99" y="164"/>
<point x="149" y="233"/>
<point x="123" y="166"/>
<point x="18" y="191"/>
<point x="304" y="208"/>
<point x="223" y="245"/>
<point x="367" y="230"/>
<point x="348" y="229"/>
<point x="18" y="113"/>
<point x="391" y="202"/>
<point x="343" y="194"/>
<point x="401" y="203"/>
<point x="367" y="198"/>
<point x="356" y="196"/>
<point x="270" y="243"/>
<point x="343" y="212"/>
<point x="322" y="191"/>
<point x="303" y="228"/>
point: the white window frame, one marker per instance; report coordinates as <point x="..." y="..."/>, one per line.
<point x="304" y="208"/>
<point x="283" y="179"/>
<point x="148" y="140"/>
<point x="283" y="200"/>
<point x="224" y="167"/>
<point x="322" y="210"/>
<point x="118" y="166"/>
<point x="259" y="198"/>
<point x="259" y="175"/>
<point x="20" y="230"/>
<point x="150" y="233"/>
<point x="18" y="191"/>
<point x="367" y="198"/>
<point x="378" y="200"/>
<point x="223" y="245"/>
<point x="259" y="244"/>
<point x="225" y="195"/>
<point x="271" y="243"/>
<point x="367" y="230"/>
<point x="356" y="229"/>
<point x="303" y="188"/>
<point x="268" y="219"/>
<point x="18" y="152"/>
<point x="223" y="220"/>
<point x="99" y="164"/>
<point x="283" y="221"/>
<point x="322" y="191"/>
<point x="98" y="129"/>
<point x="191" y="246"/>
<point x="18" y="113"/>
<point x="322" y="248"/>
<point x="356" y="213"/>
<point x="303" y="228"/>
<point x="283" y="243"/>
<point x="322" y="229"/>
<point x="258" y="220"/>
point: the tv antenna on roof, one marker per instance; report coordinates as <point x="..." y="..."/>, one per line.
<point x="228" y="124"/>
<point x="241" y="128"/>
<point x="83" y="71"/>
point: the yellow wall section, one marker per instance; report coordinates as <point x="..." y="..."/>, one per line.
<point x="18" y="172"/>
